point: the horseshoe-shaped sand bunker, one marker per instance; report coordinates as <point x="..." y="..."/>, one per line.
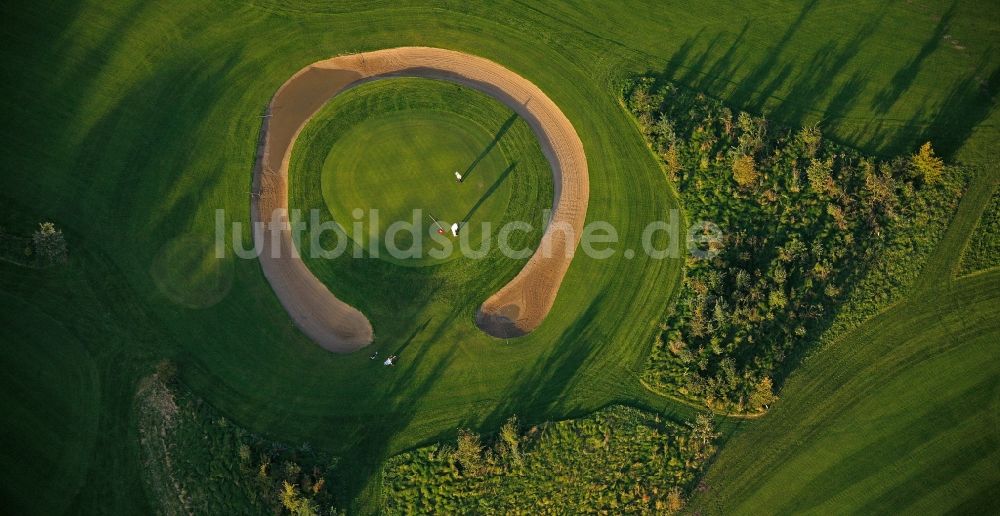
<point x="519" y="306"/>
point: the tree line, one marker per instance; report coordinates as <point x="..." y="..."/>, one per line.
<point x="620" y="460"/>
<point x="804" y="218"/>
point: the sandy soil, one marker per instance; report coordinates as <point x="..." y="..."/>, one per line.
<point x="518" y="307"/>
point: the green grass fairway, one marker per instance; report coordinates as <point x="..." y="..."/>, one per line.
<point x="900" y="417"/>
<point x="414" y="135"/>
<point x="132" y="122"/>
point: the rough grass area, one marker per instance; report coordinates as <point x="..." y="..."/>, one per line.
<point x="983" y="251"/>
<point x="196" y="461"/>
<point x="618" y="460"/>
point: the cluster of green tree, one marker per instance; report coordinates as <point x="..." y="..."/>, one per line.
<point x="618" y="460"/>
<point x="983" y="251"/>
<point x="45" y="247"/>
<point x="809" y="225"/>
<point x="198" y="462"/>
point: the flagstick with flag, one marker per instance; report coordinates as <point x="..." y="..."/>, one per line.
<point x="438" y="224"/>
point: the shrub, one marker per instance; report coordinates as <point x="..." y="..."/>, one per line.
<point x="744" y="171"/>
<point x="819" y="174"/>
<point x="469" y="453"/>
<point x="927" y="165"/>
<point x="49" y="243"/>
<point x="763" y="394"/>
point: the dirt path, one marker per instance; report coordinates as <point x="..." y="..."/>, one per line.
<point x="518" y="307"/>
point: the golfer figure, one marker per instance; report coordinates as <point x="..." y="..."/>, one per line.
<point x="458" y="177"/>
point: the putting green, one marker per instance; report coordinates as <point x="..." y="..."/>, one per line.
<point x="388" y="178"/>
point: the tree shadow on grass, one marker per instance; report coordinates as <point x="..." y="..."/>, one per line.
<point x="373" y="432"/>
<point x="905" y="76"/>
<point x="540" y="387"/>
<point x="409" y="340"/>
<point x="537" y="393"/>
<point x="796" y="89"/>
<point x="368" y="438"/>
<point x="750" y="85"/>
<point x="951" y="122"/>
<point x="489" y="147"/>
<point x="490" y="191"/>
<point x="812" y="84"/>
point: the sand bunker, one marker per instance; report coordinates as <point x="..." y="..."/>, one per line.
<point x="517" y="308"/>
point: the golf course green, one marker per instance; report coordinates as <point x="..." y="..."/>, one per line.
<point x="135" y="128"/>
<point x="431" y="307"/>
<point x="413" y="135"/>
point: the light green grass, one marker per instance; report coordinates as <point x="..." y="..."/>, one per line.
<point x="402" y="157"/>
<point x="133" y="122"/>
<point x="404" y="168"/>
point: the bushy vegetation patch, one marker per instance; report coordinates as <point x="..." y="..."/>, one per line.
<point x="817" y="238"/>
<point x="618" y="460"/>
<point x="198" y="462"/>
<point x="983" y="251"/>
<point x="44" y="247"/>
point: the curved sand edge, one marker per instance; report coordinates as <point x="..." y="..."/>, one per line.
<point x="519" y="306"/>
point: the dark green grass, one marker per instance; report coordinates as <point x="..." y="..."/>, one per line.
<point x="51" y="396"/>
<point x="133" y="122"/>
